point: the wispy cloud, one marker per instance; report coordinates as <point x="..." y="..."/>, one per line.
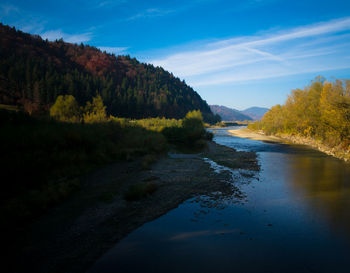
<point x="28" y="21"/>
<point x="7" y="9"/>
<point x="32" y="26"/>
<point x="150" y="13"/>
<point x="304" y="49"/>
<point x="110" y="3"/>
<point x="70" y="38"/>
<point x="247" y="5"/>
<point x="105" y="3"/>
<point x="158" y="12"/>
<point x="114" y="50"/>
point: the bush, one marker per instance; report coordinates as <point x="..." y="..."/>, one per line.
<point x="65" y="108"/>
<point x="191" y="134"/>
<point x="95" y="112"/>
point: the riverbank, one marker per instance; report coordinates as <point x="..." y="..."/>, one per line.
<point x="284" y="138"/>
<point x="246" y="133"/>
<point x="72" y="236"/>
<point x="337" y="152"/>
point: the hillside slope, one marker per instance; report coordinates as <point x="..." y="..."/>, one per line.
<point x="229" y="114"/>
<point x="33" y="72"/>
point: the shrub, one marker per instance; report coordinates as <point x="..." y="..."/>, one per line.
<point x="65" y="108"/>
<point x="95" y="111"/>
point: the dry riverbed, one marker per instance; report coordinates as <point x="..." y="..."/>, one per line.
<point x="76" y="233"/>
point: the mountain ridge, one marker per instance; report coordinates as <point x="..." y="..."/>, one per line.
<point x="255" y="112"/>
<point x="231" y="114"/>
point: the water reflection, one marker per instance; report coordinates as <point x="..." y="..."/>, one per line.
<point x="324" y="183"/>
<point x="321" y="181"/>
<point x="295" y="218"/>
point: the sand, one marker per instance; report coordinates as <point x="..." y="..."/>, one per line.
<point x="246" y="133"/>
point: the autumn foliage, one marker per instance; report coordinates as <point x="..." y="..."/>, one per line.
<point x="320" y="111"/>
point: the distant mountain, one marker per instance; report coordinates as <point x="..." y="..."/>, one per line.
<point x="229" y="114"/>
<point x="256" y="113"/>
<point x="33" y="72"/>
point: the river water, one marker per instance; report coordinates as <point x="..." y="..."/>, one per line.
<point x="295" y="218"/>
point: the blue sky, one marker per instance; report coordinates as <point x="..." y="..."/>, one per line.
<point x="235" y="53"/>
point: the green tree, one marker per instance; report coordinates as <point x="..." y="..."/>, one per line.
<point x="66" y="109"/>
<point x="193" y="127"/>
<point x="95" y="111"/>
<point x="195" y="114"/>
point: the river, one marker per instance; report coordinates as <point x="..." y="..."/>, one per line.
<point x="295" y="217"/>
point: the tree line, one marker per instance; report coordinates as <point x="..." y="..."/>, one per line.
<point x="321" y="110"/>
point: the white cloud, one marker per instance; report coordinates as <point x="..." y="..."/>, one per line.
<point x="114" y="50"/>
<point x="70" y="38"/>
<point x="150" y="13"/>
<point x="267" y="73"/>
<point x="308" y="31"/>
<point x="298" y="50"/>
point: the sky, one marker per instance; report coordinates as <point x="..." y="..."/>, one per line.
<point x="238" y="54"/>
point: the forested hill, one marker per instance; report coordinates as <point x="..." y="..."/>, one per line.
<point x="33" y="72"/>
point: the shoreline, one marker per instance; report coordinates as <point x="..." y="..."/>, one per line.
<point x="75" y="234"/>
<point x="318" y="145"/>
<point x="247" y="133"/>
<point x="290" y="139"/>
